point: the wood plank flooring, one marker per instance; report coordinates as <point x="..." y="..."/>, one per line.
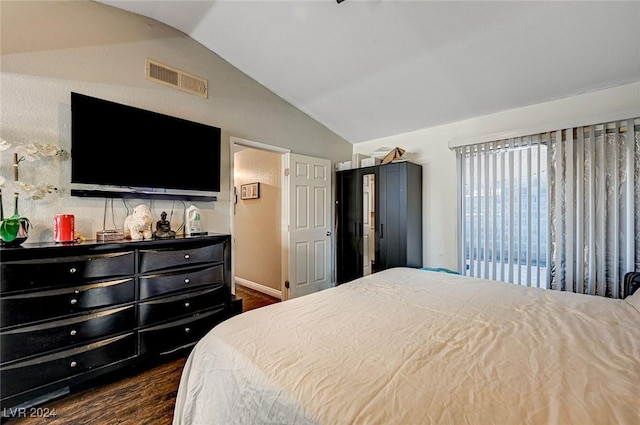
<point x="146" y="398"/>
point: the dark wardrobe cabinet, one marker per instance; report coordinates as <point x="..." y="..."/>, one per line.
<point x="396" y="219"/>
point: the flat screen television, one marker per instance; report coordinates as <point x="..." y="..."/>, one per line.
<point x="135" y="150"/>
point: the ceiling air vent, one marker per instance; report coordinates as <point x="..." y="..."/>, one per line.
<point x="176" y="78"/>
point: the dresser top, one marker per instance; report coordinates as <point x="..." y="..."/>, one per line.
<point x="37" y="249"/>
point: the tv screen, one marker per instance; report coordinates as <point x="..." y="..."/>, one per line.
<point x="119" y="145"/>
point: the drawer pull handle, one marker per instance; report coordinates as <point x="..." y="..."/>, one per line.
<point x="73" y="270"/>
<point x="187" y="330"/>
<point x="187" y="280"/>
<point x="187" y="256"/>
<point x="73" y="364"/>
<point x="187" y="305"/>
<point x="73" y="301"/>
<point x="76" y="292"/>
<point x="73" y="332"/>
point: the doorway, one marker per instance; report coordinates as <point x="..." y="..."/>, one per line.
<point x="275" y="192"/>
<point x="257" y="261"/>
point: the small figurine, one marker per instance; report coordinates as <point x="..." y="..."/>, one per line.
<point x="163" y="228"/>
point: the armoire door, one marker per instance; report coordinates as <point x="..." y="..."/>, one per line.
<point x="392" y="206"/>
<point x="349" y="210"/>
<point x="399" y="215"/>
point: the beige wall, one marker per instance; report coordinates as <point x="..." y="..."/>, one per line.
<point x="257" y="230"/>
<point x="52" y="48"/>
<point x="430" y="148"/>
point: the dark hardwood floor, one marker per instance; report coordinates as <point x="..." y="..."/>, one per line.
<point x="253" y="299"/>
<point x="146" y="398"/>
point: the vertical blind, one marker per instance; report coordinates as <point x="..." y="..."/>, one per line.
<point x="558" y="210"/>
<point x="594" y="180"/>
<point x="502" y="197"/>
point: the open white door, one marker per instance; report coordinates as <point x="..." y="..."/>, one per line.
<point x="309" y="226"/>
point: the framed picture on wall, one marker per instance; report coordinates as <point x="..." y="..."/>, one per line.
<point x="250" y="191"/>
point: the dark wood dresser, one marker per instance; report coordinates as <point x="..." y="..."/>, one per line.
<point x="73" y="313"/>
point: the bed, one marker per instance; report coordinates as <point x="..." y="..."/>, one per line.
<point x="406" y="346"/>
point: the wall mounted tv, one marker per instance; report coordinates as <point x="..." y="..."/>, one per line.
<point x="132" y="152"/>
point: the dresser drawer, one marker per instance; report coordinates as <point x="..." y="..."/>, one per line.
<point x="31" y="307"/>
<point x="163" y="339"/>
<point x="33" y="274"/>
<point x="153" y="260"/>
<point x="159" y="284"/>
<point x="31" y="340"/>
<point x="158" y="310"/>
<point x="34" y="373"/>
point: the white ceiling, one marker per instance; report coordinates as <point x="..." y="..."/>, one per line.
<point x="376" y="68"/>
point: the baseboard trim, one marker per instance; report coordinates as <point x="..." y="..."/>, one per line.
<point x="259" y="287"/>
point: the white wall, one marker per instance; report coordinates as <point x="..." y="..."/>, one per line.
<point x="52" y="48"/>
<point x="430" y="148"/>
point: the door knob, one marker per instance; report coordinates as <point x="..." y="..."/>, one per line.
<point x="329" y="233"/>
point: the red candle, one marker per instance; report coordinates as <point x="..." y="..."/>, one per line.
<point x="63" y="230"/>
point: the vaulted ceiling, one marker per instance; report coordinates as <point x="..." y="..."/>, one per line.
<point x="368" y="69"/>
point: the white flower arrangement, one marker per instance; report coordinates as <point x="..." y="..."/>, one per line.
<point x="30" y="153"/>
<point x="15" y="228"/>
<point x="35" y="151"/>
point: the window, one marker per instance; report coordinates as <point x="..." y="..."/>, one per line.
<point x="558" y="210"/>
<point x="504" y="209"/>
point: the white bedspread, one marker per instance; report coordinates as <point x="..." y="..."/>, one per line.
<point x="405" y="346"/>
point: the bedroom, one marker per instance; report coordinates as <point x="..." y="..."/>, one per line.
<point x="109" y="63"/>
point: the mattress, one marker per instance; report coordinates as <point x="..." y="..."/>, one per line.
<point x="406" y="346"/>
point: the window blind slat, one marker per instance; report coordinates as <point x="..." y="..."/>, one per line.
<point x="569" y="213"/>
<point x="616" y="218"/>
<point x="538" y="211"/>
<point x="630" y="198"/>
<point x="472" y="190"/>
<point x="528" y="210"/>
<point x="485" y="199"/>
<point x="503" y="211"/>
<point x="518" y="219"/>
<point x="601" y="223"/>
<point x="579" y="238"/>
<point x="549" y="223"/>
<point x="494" y="215"/>
<point x="510" y="235"/>
<point x="557" y="282"/>
<point x="477" y="211"/>
<point x="461" y="201"/>
<point x="592" y="213"/>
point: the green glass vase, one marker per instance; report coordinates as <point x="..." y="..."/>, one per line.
<point x="14" y="230"/>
